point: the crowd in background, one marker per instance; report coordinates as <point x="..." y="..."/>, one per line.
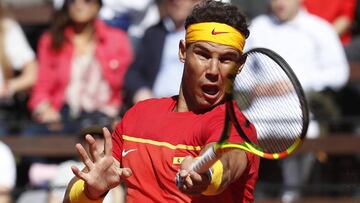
<point x="95" y="59"/>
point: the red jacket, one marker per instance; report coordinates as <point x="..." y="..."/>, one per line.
<point x="113" y="51"/>
<point x="331" y="10"/>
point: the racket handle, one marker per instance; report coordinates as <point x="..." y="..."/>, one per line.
<point x="206" y="160"/>
<point x="200" y="165"/>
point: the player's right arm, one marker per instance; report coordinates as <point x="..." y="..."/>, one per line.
<point x="102" y="172"/>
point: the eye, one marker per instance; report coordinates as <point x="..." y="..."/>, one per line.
<point x="202" y="55"/>
<point x="227" y="59"/>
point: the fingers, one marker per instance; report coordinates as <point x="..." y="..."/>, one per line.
<point x="186" y="163"/>
<point x="185" y="168"/>
<point x="108" y="142"/>
<point x="184" y="172"/>
<point x="125" y="172"/>
<point x="92" y="147"/>
<point x="84" y="156"/>
<point x="78" y="173"/>
<point x="194" y="183"/>
<point x="122" y="172"/>
<point x="185" y="179"/>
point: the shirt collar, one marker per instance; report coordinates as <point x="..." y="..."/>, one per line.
<point x="169" y="24"/>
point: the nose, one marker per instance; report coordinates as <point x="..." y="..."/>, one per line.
<point x="212" y="72"/>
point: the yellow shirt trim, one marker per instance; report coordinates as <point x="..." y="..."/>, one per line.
<point x="162" y="144"/>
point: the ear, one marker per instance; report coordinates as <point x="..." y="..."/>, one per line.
<point x="182" y="51"/>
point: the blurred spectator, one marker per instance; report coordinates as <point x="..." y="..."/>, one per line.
<point x="312" y="48"/>
<point x="17" y="70"/>
<point x="252" y="8"/>
<point x="350" y="97"/>
<point x="64" y="174"/>
<point x="353" y="51"/>
<point x="356" y="27"/>
<point x="353" y="48"/>
<point x="82" y="63"/>
<point x="156" y="71"/>
<point x="8" y="173"/>
<point x="133" y="17"/>
<point x="340" y="13"/>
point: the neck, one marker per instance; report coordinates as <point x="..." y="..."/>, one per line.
<point x="291" y="17"/>
<point x="84" y="29"/>
<point x="181" y="105"/>
<point x="185" y="104"/>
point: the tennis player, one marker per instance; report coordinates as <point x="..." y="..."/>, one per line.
<point x="157" y="138"/>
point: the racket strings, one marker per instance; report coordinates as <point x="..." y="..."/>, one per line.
<point x="282" y="85"/>
<point x="267" y="97"/>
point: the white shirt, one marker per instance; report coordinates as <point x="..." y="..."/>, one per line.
<point x="310" y="46"/>
<point x="88" y="91"/>
<point x="17" y="48"/>
<point x="7" y="167"/>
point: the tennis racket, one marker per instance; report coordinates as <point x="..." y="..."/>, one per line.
<point x="268" y="93"/>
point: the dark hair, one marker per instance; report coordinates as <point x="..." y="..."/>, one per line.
<point x="96" y="131"/>
<point x="60" y="22"/>
<point x="216" y="11"/>
<point x="5" y="66"/>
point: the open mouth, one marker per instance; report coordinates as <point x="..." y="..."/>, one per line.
<point x="210" y="90"/>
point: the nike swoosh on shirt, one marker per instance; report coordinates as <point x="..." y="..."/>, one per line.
<point x="213" y="32"/>
<point x="124" y="152"/>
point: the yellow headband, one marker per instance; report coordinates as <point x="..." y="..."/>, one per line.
<point x="215" y="32"/>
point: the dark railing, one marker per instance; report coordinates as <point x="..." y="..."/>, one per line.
<point x="320" y="190"/>
<point x="64" y="145"/>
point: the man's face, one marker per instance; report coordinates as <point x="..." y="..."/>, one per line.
<point x="83" y="11"/>
<point x="207" y="67"/>
<point x="285" y="10"/>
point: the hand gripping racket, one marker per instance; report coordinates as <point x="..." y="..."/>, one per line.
<point x="270" y="96"/>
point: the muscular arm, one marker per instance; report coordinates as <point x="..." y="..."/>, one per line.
<point x="234" y="163"/>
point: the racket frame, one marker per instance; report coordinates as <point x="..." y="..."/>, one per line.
<point x="212" y="154"/>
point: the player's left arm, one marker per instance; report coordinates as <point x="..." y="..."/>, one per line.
<point x="226" y="170"/>
<point x="344" y="21"/>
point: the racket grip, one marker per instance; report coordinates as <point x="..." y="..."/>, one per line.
<point x="206" y="160"/>
<point x="200" y="165"/>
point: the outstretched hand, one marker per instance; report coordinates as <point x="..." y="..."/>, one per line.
<point x="102" y="172"/>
